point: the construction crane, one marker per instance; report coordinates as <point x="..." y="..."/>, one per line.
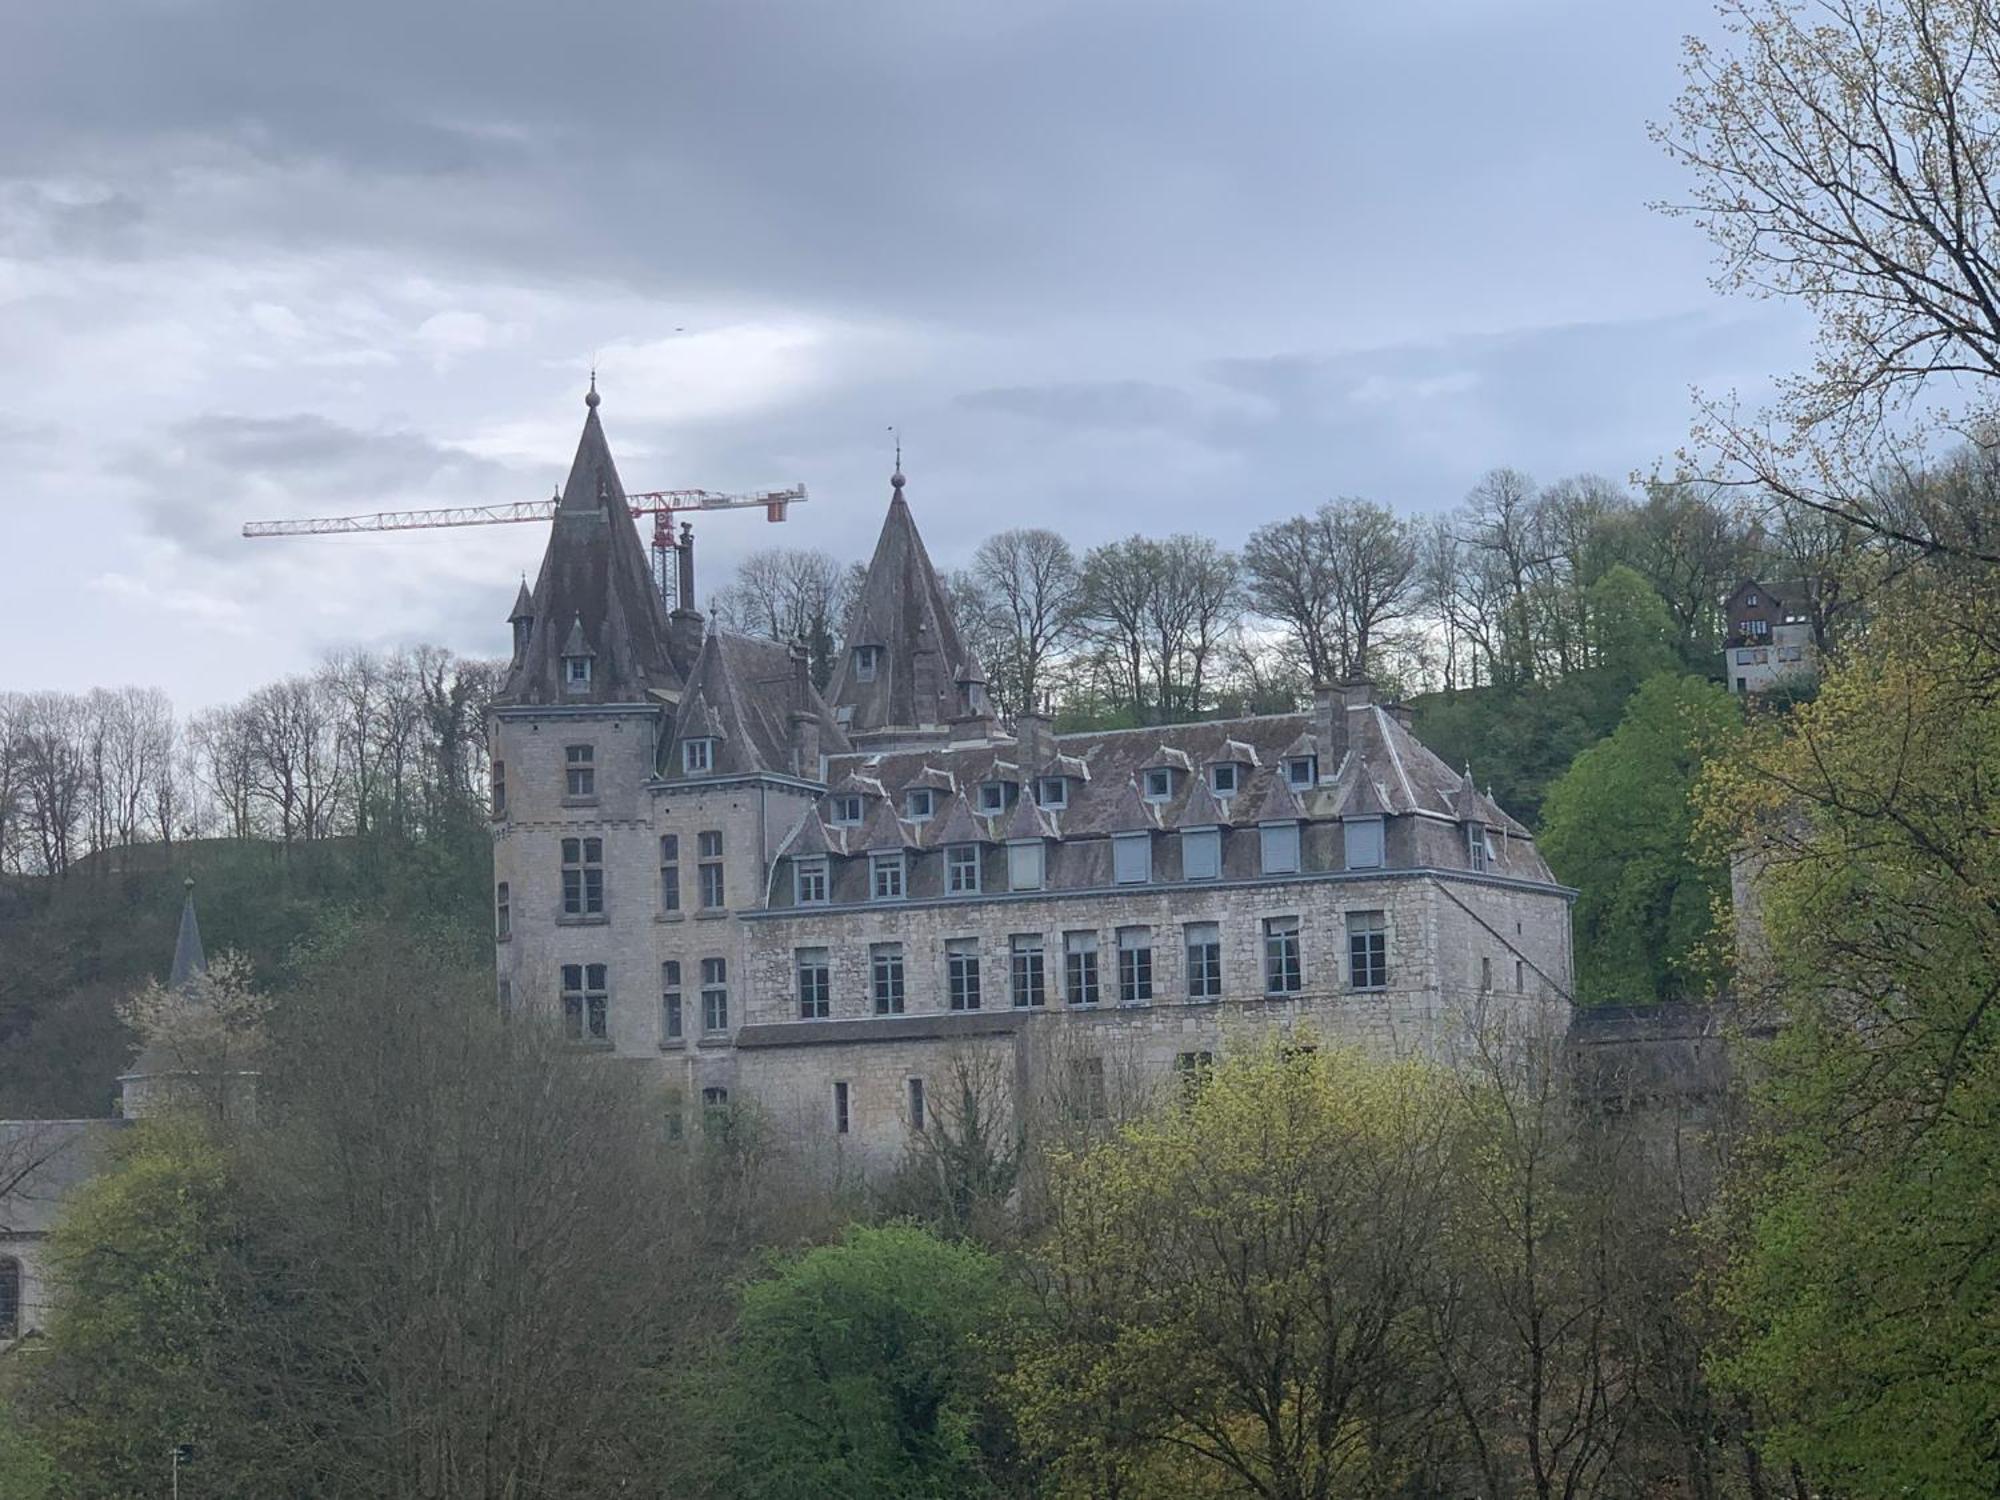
<point x="661" y="505"/>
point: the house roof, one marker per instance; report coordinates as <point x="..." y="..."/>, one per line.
<point x="902" y="607"/>
<point x="1386" y="770"/>
<point x="594" y="594"/>
<point x="742" y="693"/>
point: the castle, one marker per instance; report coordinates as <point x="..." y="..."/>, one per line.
<point x="825" y="903"/>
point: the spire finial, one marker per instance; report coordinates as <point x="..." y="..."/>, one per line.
<point x="591" y="399"/>
<point x="896" y="479"/>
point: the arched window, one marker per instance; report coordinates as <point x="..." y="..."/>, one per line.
<point x="10" y="1298"/>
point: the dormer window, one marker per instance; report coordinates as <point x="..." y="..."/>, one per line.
<point x="1223" y="778"/>
<point x="1052" y="791"/>
<point x="1302" y="770"/>
<point x="1478" y="846"/>
<point x="919" y="804"/>
<point x="846" y="811"/>
<point x="1159" y="784"/>
<point x="576" y="672"/>
<point x="992" y="796"/>
<point x="698" y="756"/>
<point x="1750" y="601"/>
<point x="867" y="662"/>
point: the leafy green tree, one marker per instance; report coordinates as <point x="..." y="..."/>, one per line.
<point x="1232" y="1288"/>
<point x="1619" y="826"/>
<point x="1864" y="1272"/>
<point x="867" y="1368"/>
<point x="136" y="1359"/>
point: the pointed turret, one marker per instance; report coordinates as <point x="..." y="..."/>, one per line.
<point x="906" y="673"/>
<point x="189" y="960"/>
<point x="595" y="586"/>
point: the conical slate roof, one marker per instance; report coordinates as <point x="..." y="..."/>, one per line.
<point x="189" y="960"/>
<point x="189" y="964"/>
<point x="594" y="586"/>
<point x="742" y="693"/>
<point x="902" y="609"/>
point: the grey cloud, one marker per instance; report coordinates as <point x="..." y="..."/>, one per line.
<point x="199" y="483"/>
<point x="1086" y="404"/>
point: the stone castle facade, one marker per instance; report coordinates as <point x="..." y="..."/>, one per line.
<point x="831" y="904"/>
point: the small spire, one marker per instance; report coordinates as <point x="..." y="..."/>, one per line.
<point x="592" y="398"/>
<point x="189" y="960"/>
<point x="896" y="479"/>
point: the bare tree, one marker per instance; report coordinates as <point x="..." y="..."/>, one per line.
<point x="788" y="594"/>
<point x="1031" y="586"/>
<point x="1289" y="575"/>
<point x="1374" y="564"/>
<point x="55" y="751"/>
<point x="1842" y="153"/>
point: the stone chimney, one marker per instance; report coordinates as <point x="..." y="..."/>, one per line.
<point x="1401" y="712"/>
<point x="1330" y="727"/>
<point x="1036" y="732"/>
<point x="684" y="625"/>
<point x="804" y="717"/>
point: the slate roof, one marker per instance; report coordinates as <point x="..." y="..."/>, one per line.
<point x="902" y="608"/>
<point x="742" y="693"/>
<point x="1386" y="770"/>
<point x="595" y="593"/>
<point x="190" y="962"/>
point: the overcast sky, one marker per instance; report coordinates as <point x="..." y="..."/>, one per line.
<point x="1111" y="265"/>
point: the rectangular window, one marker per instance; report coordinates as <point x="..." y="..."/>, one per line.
<point x="1080" y="968"/>
<point x="714" y="1101"/>
<point x="503" y="913"/>
<point x="584" y="1002"/>
<point x="1283" y="972"/>
<point x="1204" y="960"/>
<point x="885" y="966"/>
<point x="671" y="1024"/>
<point x="919" y="804"/>
<point x="809" y="880"/>
<point x="1027" y="866"/>
<point x="961" y="973"/>
<point x="1486" y="971"/>
<point x="1367" y="950"/>
<point x="709" y="846"/>
<point x="846" y="812"/>
<point x="1363" y="838"/>
<point x="1302" y="770"/>
<point x="1520" y="976"/>
<point x="1159" y="785"/>
<point x="1193" y="1069"/>
<point x="1201" y="854"/>
<point x="698" y="756"/>
<point x="670" y="872"/>
<point x="1280" y="848"/>
<point x="1222" y="779"/>
<point x="992" y="796"/>
<point x="715" y="994"/>
<point x="583" y="877"/>
<point x="961" y="869"/>
<point x="580" y="770"/>
<point x="840" y="1120"/>
<point x="1476" y="850"/>
<point x="916" y="1104"/>
<point x="499" y="790"/>
<point x="1028" y="971"/>
<point x="1132" y="858"/>
<point x="867" y="660"/>
<point x="1086" y="1082"/>
<point x="885" y="876"/>
<point x="1052" y="792"/>
<point x="579" y="670"/>
<point x="1135" y="965"/>
<point x="815" y="985"/>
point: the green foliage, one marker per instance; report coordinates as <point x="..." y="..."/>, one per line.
<point x="1619" y="826"/>
<point x="866" y="1367"/>
<point x="1232" y="1285"/>
<point x="135" y="1362"/>
<point x="27" y="1472"/>
<point x="1864" y="1275"/>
